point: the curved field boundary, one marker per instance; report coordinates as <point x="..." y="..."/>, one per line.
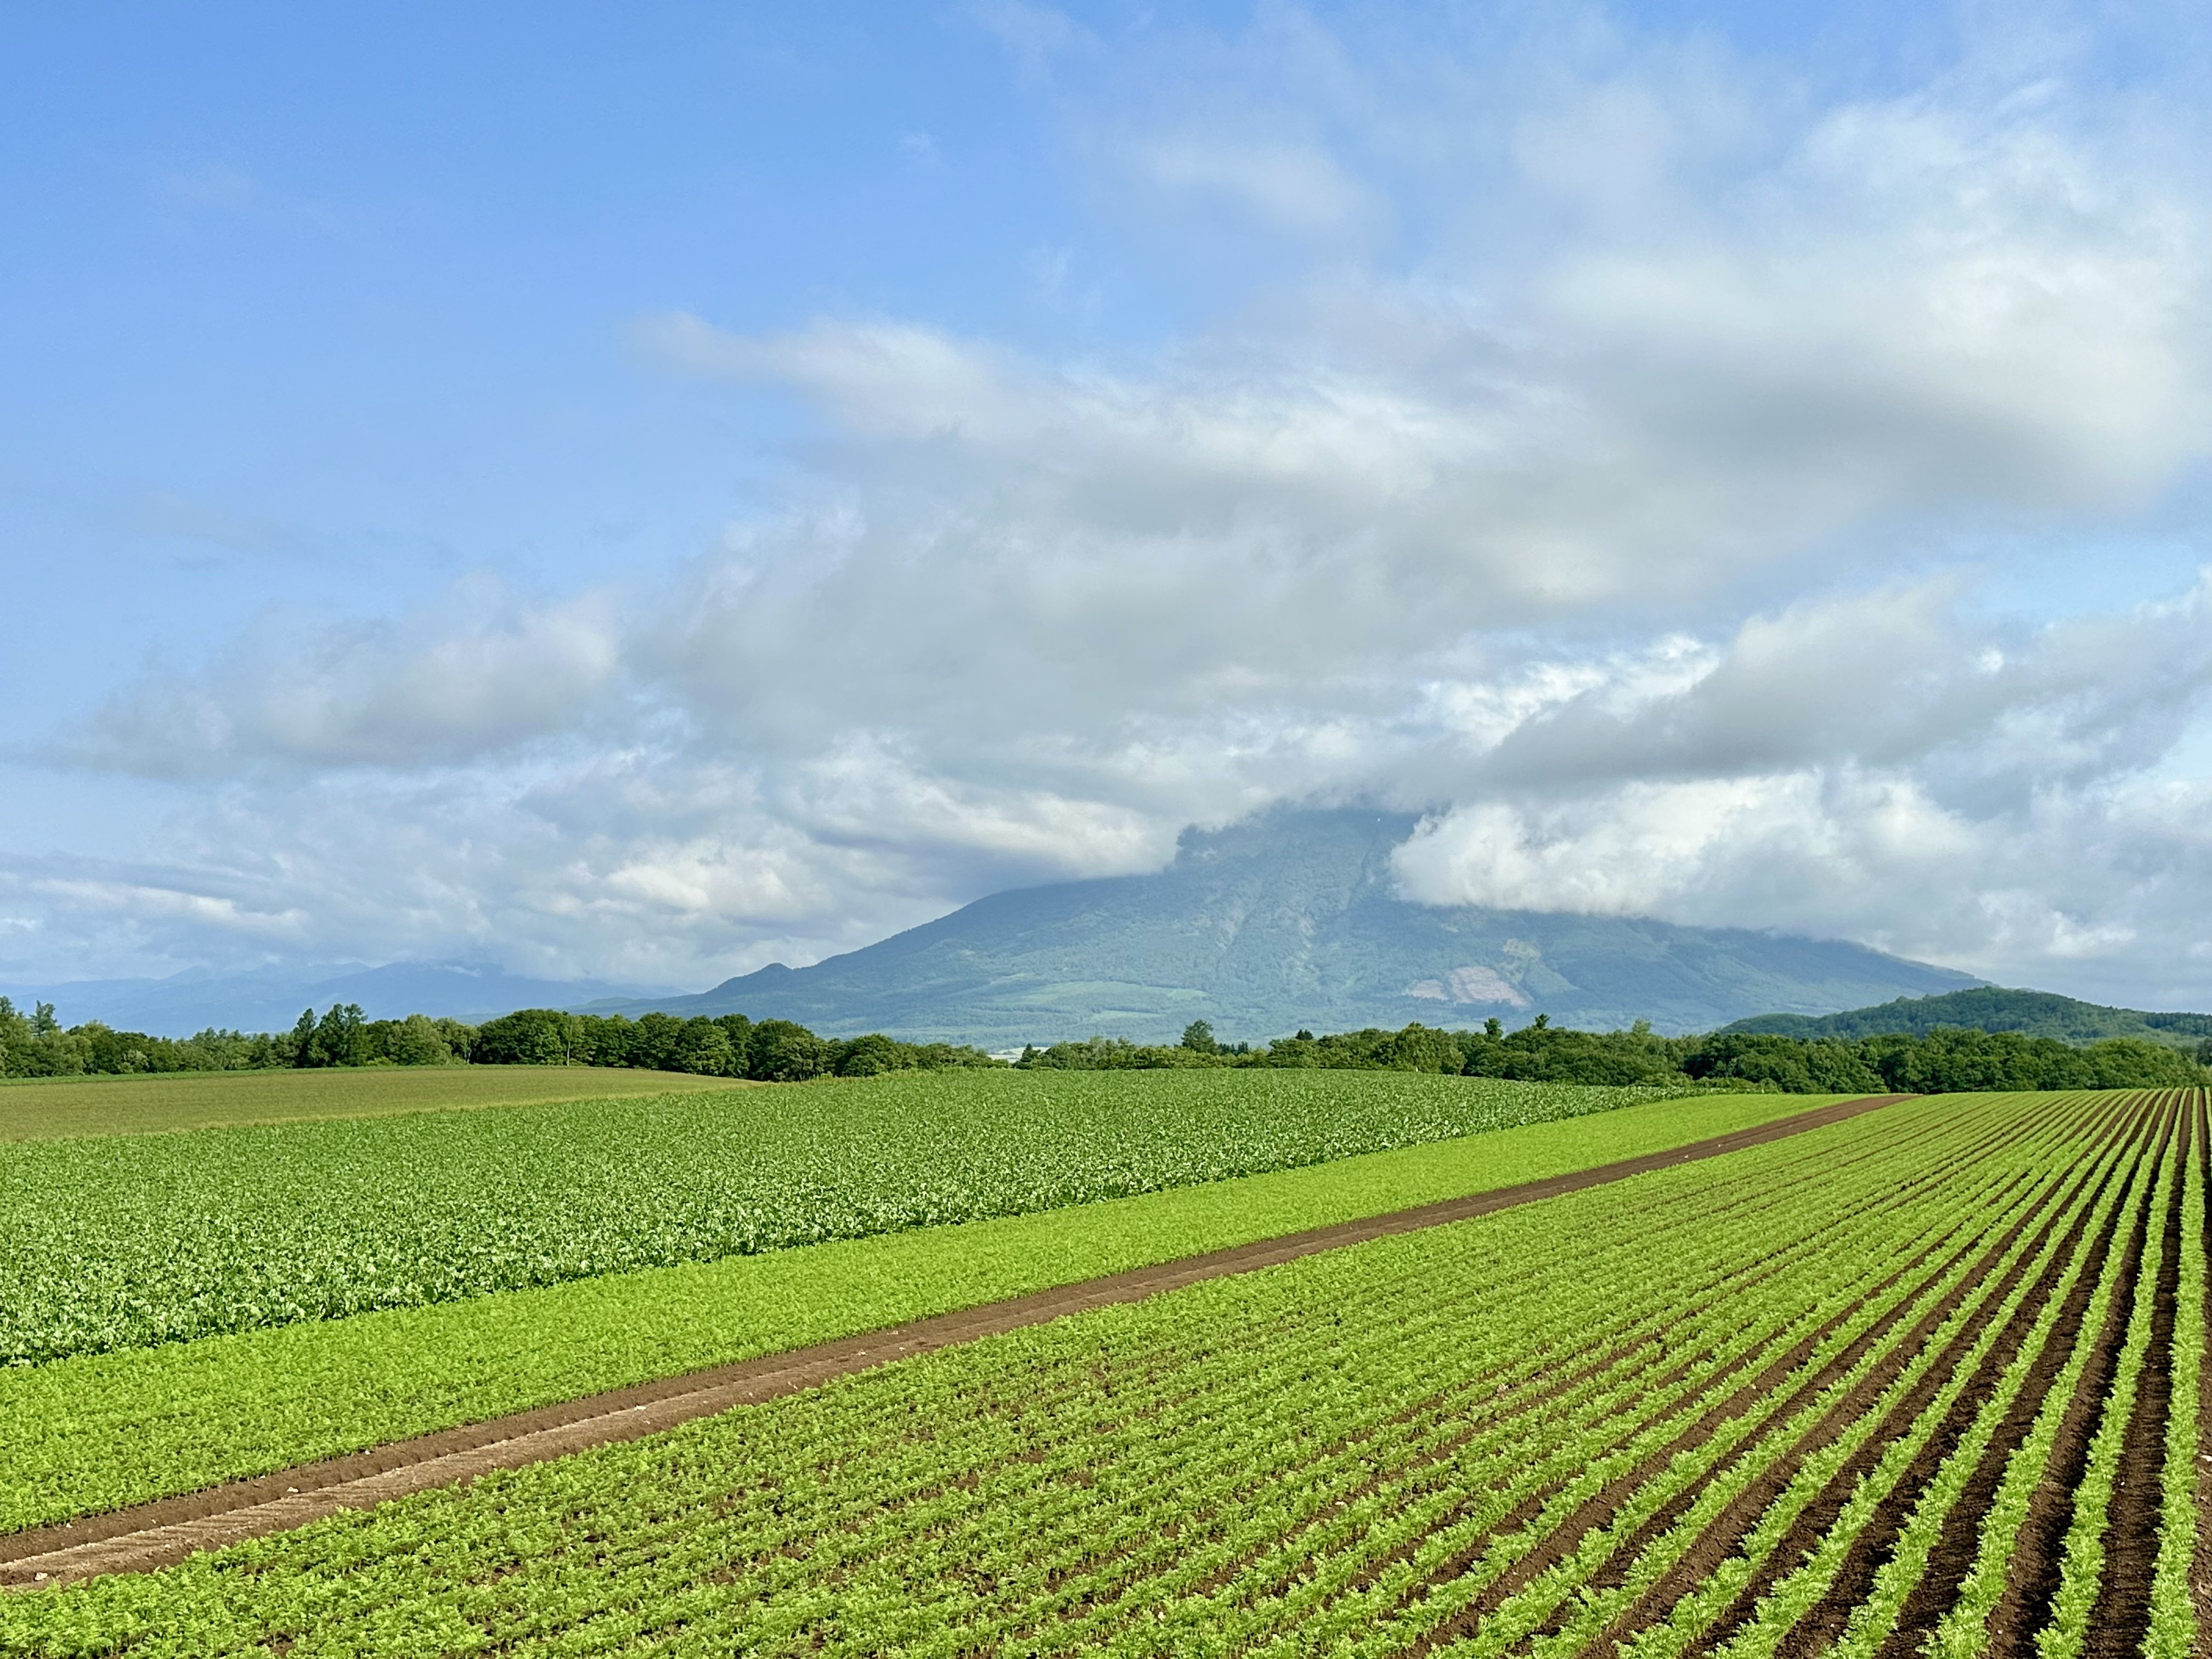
<point x="168" y="1530"/>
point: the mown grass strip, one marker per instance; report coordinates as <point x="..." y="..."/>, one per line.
<point x="106" y="1431"/>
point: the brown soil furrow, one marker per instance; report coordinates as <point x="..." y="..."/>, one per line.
<point x="1652" y="1347"/>
<point x="2032" y="1583"/>
<point x="1736" y="1279"/>
<point x="1812" y="1525"/>
<point x="1465" y="1557"/>
<point x="1825" y="1622"/>
<point x="1599" y="1509"/>
<point x="1725" y="1537"/>
<point x="1957" y="1544"/>
<point x="2121" y="1618"/>
<point x="170" y="1529"/>
<point x="2200" y="1575"/>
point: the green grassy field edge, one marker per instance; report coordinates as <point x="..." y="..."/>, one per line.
<point x="81" y="1108"/>
<point x="108" y="1430"/>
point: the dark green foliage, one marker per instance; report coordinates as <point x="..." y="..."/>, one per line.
<point x="1548" y="1053"/>
<point x="870" y="1056"/>
<point x="1942" y="1061"/>
<point x="1945" y="1061"/>
<point x="340" y="1037"/>
<point x="36" y="1045"/>
<point x="1995" y="1009"/>
<point x="785" y="1053"/>
<point x="529" y="1036"/>
<point x="1953" y="1061"/>
<point x="775" y="1051"/>
<point x="703" y="1048"/>
<point x="1825" y="1066"/>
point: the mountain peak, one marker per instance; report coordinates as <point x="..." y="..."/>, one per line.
<point x="1292" y="918"/>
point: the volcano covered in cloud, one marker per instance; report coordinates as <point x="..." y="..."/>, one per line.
<point x="1295" y="919"/>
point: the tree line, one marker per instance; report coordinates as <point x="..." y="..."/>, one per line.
<point x="771" y="1051"/>
<point x="1946" y="1061"/>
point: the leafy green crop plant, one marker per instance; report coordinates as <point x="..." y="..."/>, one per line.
<point x="1502" y="1433"/>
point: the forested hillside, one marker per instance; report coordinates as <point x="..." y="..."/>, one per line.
<point x="1992" y="1008"/>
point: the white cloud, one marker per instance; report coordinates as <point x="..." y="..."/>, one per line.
<point x="417" y="692"/>
<point x="1590" y="475"/>
<point x="1284" y="184"/>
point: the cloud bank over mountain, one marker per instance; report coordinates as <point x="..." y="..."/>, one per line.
<point x="1711" y="488"/>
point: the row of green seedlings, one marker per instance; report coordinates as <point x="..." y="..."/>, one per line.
<point x="2176" y="1633"/>
<point x="1373" y="1557"/>
<point x="1567" y="1612"/>
<point x="1780" y="1609"/>
<point x="1966" y="1630"/>
<point x="927" y="1471"/>
<point x="1608" y="1574"/>
<point x="1018" y="1527"/>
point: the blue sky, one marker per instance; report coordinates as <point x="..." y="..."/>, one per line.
<point x="640" y="492"/>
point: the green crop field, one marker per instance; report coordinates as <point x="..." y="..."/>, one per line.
<point x="1927" y="1380"/>
<point x="100" y="1431"/>
<point x="128" y="1242"/>
<point x="48" y="1109"/>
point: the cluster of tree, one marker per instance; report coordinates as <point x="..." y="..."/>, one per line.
<point x="772" y="1051"/>
<point x="38" y="1045"/>
<point x="1945" y="1060"/>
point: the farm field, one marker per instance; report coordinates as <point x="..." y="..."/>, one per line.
<point x="100" y="1430"/>
<point x="48" y="1109"/>
<point x="1927" y="1380"/>
<point x="133" y="1241"/>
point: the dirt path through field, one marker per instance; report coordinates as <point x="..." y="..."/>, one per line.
<point x="168" y="1530"/>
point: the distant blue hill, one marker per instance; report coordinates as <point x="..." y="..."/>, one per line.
<point x="1290" y="920"/>
<point x="270" y="998"/>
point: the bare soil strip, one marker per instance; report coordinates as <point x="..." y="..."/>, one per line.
<point x="168" y="1530"/>
<point x="1725" y="1536"/>
<point x="1823" y="1623"/>
<point x="1958" y="1541"/>
<point x="2120" y="1622"/>
<point x="2032" y="1583"/>
<point x="2200" y="1574"/>
<point x="1806" y="1533"/>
